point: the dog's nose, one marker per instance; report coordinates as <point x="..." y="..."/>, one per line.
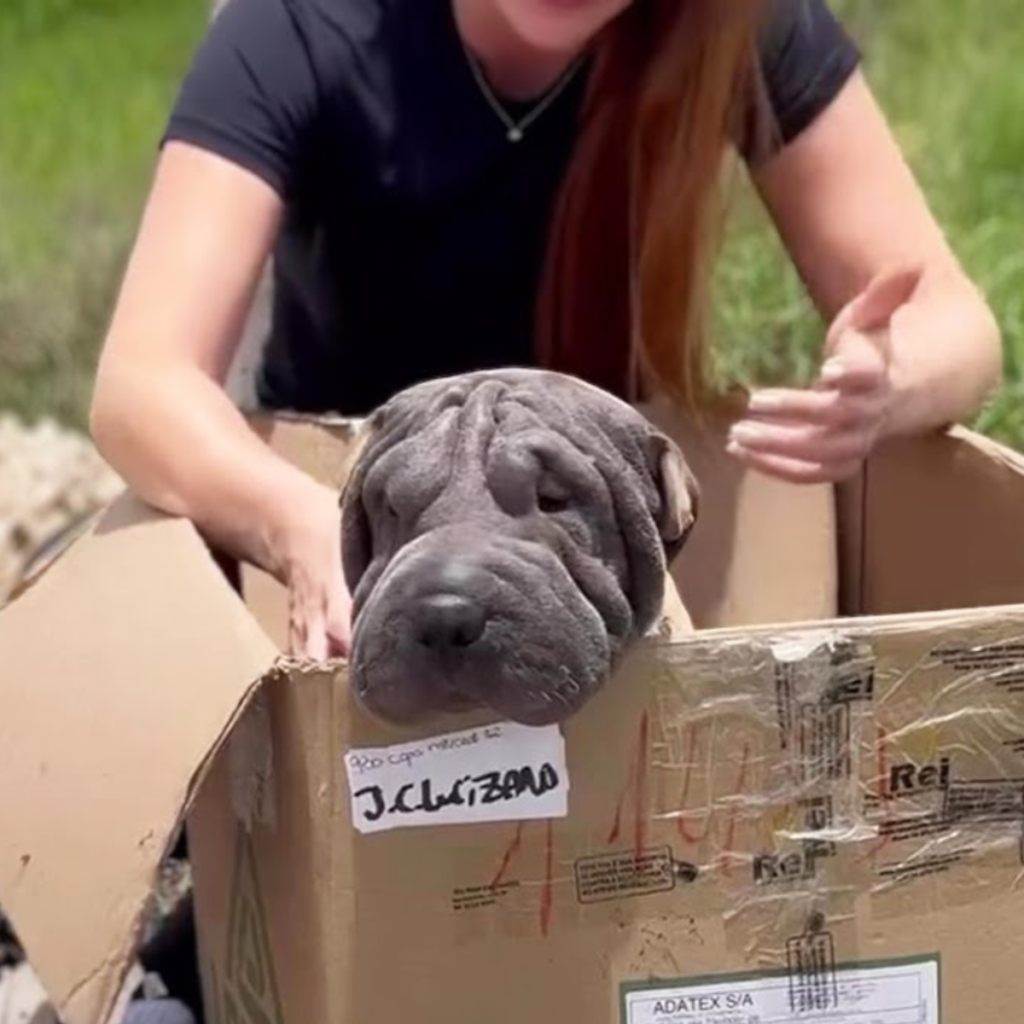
<point x="448" y="620"/>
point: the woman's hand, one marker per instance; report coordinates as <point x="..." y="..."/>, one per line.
<point x="309" y="560"/>
<point x="824" y="433"/>
<point x="909" y="354"/>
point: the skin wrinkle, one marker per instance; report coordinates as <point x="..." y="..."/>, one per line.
<point x="590" y="520"/>
<point x="616" y="615"/>
<point x="443" y="499"/>
<point x="384" y="470"/>
<point x="534" y="570"/>
<point x="619" y="453"/>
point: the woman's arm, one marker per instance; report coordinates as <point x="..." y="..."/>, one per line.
<point x="848" y="209"/>
<point x="160" y="415"/>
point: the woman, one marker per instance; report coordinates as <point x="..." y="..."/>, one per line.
<point x="453" y="184"/>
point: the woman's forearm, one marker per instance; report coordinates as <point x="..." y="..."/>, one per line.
<point x="946" y="354"/>
<point x="160" y="414"/>
<point x="178" y="441"/>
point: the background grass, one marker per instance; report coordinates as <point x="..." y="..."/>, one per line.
<point x="85" y="86"/>
<point x="950" y="76"/>
<point x="84" y="90"/>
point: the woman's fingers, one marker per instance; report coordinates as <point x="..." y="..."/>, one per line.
<point x="308" y="631"/>
<point x="821" y="408"/>
<point x="859" y="367"/>
<point x="795" y="470"/>
<point x="884" y="295"/>
<point x="320" y="627"/>
<point x="842" y="396"/>
<point x="814" y="435"/>
<point x="337" y="602"/>
<point x="318" y="608"/>
<point x="875" y="306"/>
<point x="318" y="599"/>
<point x="337" y="623"/>
<point x="824" y="433"/>
<point x="801" y="441"/>
<point x="824" y="407"/>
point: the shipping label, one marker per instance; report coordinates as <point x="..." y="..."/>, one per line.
<point x="893" y="993"/>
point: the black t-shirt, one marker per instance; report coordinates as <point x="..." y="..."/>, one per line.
<point x="414" y="231"/>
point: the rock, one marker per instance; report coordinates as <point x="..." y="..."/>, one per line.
<point x="50" y="478"/>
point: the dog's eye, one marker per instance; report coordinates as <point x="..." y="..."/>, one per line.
<point x="549" y="503"/>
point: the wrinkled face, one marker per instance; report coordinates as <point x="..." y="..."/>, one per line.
<point x="505" y="535"/>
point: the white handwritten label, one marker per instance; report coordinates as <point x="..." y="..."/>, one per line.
<point x="502" y="772"/>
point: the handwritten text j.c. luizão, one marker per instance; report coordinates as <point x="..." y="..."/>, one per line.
<point x="424" y="796"/>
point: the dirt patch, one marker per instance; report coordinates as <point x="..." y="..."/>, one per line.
<point x="51" y="478"/>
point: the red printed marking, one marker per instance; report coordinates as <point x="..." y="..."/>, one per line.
<point x="616" y="828"/>
<point x="510" y="851"/>
<point x="741" y="784"/>
<point x="547" y="890"/>
<point x="684" y="833"/>
<point x="640" y="821"/>
<point x="883" y="766"/>
<point x="636" y="783"/>
<point x="884" y="796"/>
<point x="691" y="836"/>
<point x="547" y="894"/>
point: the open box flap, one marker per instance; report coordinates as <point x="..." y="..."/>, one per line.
<point x="935" y="523"/>
<point x="121" y="671"/>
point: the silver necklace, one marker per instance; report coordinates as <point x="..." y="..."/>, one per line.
<point x="515" y="130"/>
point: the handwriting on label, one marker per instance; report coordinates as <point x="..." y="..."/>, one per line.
<point x="503" y="772"/>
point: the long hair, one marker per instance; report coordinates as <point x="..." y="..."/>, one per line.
<point x="626" y="285"/>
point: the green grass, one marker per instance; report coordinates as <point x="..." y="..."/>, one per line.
<point x="85" y="86"/>
<point x="950" y="76"/>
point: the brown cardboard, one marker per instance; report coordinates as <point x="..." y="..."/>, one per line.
<point x="943" y="525"/>
<point x="122" y="668"/>
<point x="679" y="771"/>
<point x="765" y="550"/>
<point x="683" y="758"/>
<point x="322" y="446"/>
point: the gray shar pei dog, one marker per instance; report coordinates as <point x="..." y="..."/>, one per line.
<point x="505" y="536"/>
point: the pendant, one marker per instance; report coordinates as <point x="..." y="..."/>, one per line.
<point x="515" y="133"/>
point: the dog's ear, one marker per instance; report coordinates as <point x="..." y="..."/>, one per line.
<point x="356" y="539"/>
<point x="678" y="494"/>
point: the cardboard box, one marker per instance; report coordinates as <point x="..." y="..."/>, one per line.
<point x="811" y="811"/>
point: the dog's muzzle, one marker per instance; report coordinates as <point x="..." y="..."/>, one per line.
<point x="487" y="621"/>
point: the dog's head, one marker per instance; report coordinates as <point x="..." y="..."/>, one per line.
<point x="505" y="535"/>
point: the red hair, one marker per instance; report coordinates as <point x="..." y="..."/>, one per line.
<point x="627" y="279"/>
